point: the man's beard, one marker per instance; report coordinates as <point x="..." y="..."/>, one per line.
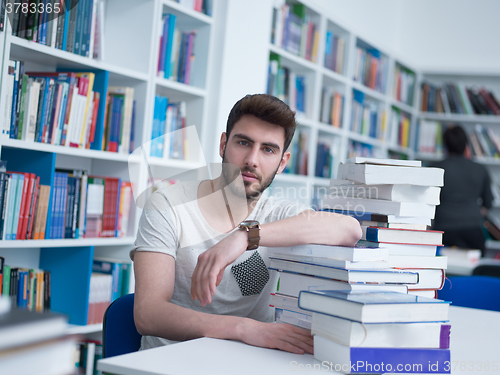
<point x="230" y="174"/>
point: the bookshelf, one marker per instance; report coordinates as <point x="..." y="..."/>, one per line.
<point x="130" y="58"/>
<point x="377" y="111"/>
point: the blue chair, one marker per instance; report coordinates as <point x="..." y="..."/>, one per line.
<point x="480" y="292"/>
<point x="119" y="335"/>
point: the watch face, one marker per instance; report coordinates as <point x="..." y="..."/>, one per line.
<point x="249" y="223"/>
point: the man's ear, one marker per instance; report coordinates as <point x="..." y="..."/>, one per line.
<point x="284" y="160"/>
<point x="222" y="144"/>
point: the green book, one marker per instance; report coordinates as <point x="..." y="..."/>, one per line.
<point x="6" y="280"/>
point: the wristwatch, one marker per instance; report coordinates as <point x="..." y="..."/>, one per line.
<point x="253" y="229"/>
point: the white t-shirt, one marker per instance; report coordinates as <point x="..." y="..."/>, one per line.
<point x="172" y="223"/>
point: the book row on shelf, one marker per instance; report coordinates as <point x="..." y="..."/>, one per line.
<point x="326" y="157"/>
<point x="86" y="353"/>
<point x="176" y="54"/>
<point x="168" y="138"/>
<point x="458" y="98"/>
<point x="295" y="30"/>
<point x="72" y="109"/>
<point x="75" y="26"/>
<point x="484" y="142"/>
<point x="110" y="279"/>
<point x="286" y="85"/>
<point x="27" y="288"/>
<point x="368" y="117"/>
<point x="334" y="52"/>
<point x="75" y="206"/>
<point x="299" y="154"/>
<point x="404" y="84"/>
<point x="203" y="6"/>
<point x="334" y="291"/>
<point x="332" y="107"/>
<point x="400" y="123"/>
<point x="371" y="68"/>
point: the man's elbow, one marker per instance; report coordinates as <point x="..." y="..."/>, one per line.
<point x="142" y="321"/>
<point x="351" y="231"/>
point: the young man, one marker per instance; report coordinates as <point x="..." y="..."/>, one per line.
<point x="194" y="276"/>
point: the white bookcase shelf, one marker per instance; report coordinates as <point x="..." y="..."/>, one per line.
<point x="131" y="50"/>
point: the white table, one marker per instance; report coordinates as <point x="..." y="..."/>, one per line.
<point x="475" y="340"/>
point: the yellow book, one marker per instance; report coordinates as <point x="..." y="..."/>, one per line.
<point x="314" y="53"/>
<point x="83" y="125"/>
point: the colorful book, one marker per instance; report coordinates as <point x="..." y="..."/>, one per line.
<point x="369" y="307"/>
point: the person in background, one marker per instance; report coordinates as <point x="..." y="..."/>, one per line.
<point x="465" y="196"/>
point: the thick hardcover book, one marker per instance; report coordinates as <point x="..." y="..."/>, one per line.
<point x="331" y="262"/>
<point x="357" y="253"/>
<point x="349" y="360"/>
<point x="370" y="307"/>
<point x="404" y="236"/>
<point x="370" y="216"/>
<point x="383" y="276"/>
<point x="398" y="193"/>
<point x="390" y="335"/>
<point x="362" y="205"/>
<point x="292" y="283"/>
<point x="372" y="174"/>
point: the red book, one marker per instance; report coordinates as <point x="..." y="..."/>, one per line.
<point x="23" y="224"/>
<point x="23" y="202"/>
<point x="94" y="120"/>
<point x="32" y="214"/>
<point x="489" y="101"/>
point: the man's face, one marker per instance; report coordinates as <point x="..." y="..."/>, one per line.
<point x="256" y="148"/>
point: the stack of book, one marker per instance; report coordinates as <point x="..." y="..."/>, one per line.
<point x="394" y="200"/>
<point x="367" y="332"/>
<point x="322" y="267"/>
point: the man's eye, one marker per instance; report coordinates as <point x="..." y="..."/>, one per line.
<point x="269" y="150"/>
<point x="243" y="143"/>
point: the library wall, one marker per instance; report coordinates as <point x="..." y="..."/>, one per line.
<point x="451" y="34"/>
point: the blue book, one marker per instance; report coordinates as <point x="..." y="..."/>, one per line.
<point x="161" y="129"/>
<point x="80" y="11"/>
<point x="156" y="126"/>
<point x="375" y="307"/>
<point x="114" y="269"/>
<point x="62" y="206"/>
<point x="14" y="101"/>
<point x="23" y="289"/>
<point x="168" y="47"/>
<point x="355" y="360"/>
<point x="11" y="200"/>
<point x="17" y="207"/>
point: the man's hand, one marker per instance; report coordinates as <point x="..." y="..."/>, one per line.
<point x="277" y="336"/>
<point x="211" y="265"/>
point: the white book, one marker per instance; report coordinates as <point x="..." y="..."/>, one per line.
<point x="404" y="249"/>
<point x="379" y="161"/>
<point x="393" y="225"/>
<point x="336" y="263"/>
<point x="291" y="284"/>
<point x="284" y="316"/>
<point x="361" y="253"/>
<point x="428" y="278"/>
<point x="384" y="276"/>
<point x="374" y="335"/>
<point x="372" y="174"/>
<point x="378" y="206"/>
<point x="369" y="307"/>
<point x="391" y="192"/>
<point x="407" y="261"/>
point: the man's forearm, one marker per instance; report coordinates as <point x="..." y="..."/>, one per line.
<point x="167" y="320"/>
<point x="311" y="227"/>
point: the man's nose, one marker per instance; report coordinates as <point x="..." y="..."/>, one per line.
<point x="252" y="157"/>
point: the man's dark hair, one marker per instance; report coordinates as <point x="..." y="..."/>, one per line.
<point x="266" y="108"/>
<point x="455" y="140"/>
